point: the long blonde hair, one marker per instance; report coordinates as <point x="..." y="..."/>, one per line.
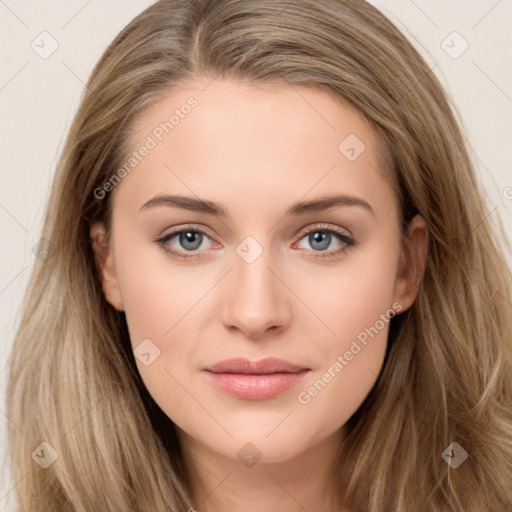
<point x="73" y="382"/>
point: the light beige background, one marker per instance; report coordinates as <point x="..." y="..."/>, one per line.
<point x="38" y="98"/>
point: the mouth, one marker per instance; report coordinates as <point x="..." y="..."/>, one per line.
<point x="255" y="380"/>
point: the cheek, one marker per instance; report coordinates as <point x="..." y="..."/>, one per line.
<point x="158" y="301"/>
<point x="164" y="333"/>
<point x="156" y="293"/>
<point x="351" y="297"/>
<point x="356" y="306"/>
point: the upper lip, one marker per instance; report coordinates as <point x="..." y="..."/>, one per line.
<point x="264" y="366"/>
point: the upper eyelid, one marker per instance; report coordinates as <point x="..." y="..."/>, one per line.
<point x="190" y="227"/>
<point x="324" y="227"/>
<point x="193" y="227"/>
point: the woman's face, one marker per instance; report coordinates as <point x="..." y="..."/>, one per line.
<point x="291" y="237"/>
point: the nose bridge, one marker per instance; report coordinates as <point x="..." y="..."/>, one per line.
<point x="255" y="299"/>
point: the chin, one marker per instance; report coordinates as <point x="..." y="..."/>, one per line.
<point x="262" y="445"/>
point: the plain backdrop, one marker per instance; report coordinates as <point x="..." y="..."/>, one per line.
<point x="39" y="96"/>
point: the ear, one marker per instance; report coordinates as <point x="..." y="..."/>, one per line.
<point x="104" y="263"/>
<point x="413" y="259"/>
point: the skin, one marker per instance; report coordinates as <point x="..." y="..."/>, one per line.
<point x="257" y="151"/>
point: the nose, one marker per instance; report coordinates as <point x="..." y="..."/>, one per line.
<point x="257" y="302"/>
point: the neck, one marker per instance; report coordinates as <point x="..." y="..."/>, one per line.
<point x="303" y="482"/>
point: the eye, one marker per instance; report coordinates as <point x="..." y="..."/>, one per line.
<point x="321" y="237"/>
<point x="189" y="240"/>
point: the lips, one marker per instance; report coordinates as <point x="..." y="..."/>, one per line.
<point x="255" y="380"/>
<point x="261" y="367"/>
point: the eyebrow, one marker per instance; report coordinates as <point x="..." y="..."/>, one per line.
<point x="217" y="210"/>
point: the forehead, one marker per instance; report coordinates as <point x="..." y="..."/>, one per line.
<point x="223" y="138"/>
<point x="226" y="107"/>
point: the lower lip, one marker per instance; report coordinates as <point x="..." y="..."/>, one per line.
<point x="256" y="387"/>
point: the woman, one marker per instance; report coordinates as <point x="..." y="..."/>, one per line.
<point x="255" y="368"/>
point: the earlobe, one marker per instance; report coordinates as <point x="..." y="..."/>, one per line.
<point x="412" y="263"/>
<point x="105" y="267"/>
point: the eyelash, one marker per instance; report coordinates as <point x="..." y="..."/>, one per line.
<point x="341" y="235"/>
